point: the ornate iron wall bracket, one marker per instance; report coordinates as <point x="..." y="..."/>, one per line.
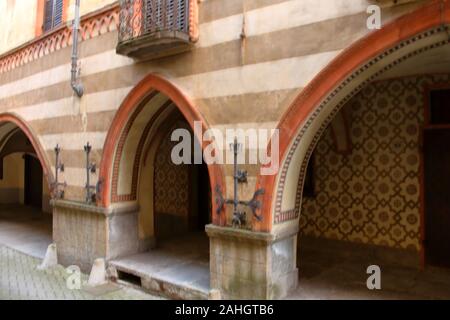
<point x="254" y="204"/>
<point x="240" y="176"/>
<point x="58" y="187"/>
<point x="91" y="168"/>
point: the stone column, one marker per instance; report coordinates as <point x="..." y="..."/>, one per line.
<point x="252" y="265"/>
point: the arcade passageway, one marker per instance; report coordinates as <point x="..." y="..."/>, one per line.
<point x="25" y="229"/>
<point x="330" y="269"/>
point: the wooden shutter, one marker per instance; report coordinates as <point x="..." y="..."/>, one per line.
<point x="48" y="15"/>
<point x="166" y="15"/>
<point x="57" y="13"/>
<point x="53" y="11"/>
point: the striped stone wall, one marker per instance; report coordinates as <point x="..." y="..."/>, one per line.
<point x="233" y="81"/>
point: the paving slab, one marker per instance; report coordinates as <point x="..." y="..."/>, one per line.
<point x="25" y="229"/>
<point x="20" y="280"/>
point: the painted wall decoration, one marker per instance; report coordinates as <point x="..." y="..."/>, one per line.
<point x="371" y="195"/>
<point x="172" y="187"/>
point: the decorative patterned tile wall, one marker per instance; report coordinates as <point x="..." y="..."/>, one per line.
<point x="172" y="189"/>
<point x="372" y="194"/>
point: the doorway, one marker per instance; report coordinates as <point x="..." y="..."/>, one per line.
<point x="436" y="165"/>
<point x="33" y="182"/>
<point x="437" y="196"/>
<point x="24" y="226"/>
<point x="182" y="203"/>
<point x="178" y="258"/>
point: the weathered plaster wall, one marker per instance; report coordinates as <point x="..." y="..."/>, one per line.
<point x="87" y="6"/>
<point x="17" y="23"/>
<point x="371" y="195"/>
<point x="12" y="184"/>
<point x="146" y="200"/>
<point x="46" y="197"/>
<point x="18" y="19"/>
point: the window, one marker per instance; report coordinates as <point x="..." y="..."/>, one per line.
<point x="53" y="14"/>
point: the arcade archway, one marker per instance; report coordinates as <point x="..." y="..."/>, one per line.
<point x="25" y="189"/>
<point x="173" y="202"/>
<point x="408" y="56"/>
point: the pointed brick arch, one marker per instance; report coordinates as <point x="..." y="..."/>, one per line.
<point x="148" y="86"/>
<point x="399" y="37"/>
<point x="28" y="131"/>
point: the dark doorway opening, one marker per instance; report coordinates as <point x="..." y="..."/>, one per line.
<point x="439" y="112"/>
<point x="33" y="182"/>
<point x="201" y="208"/>
<point x="437" y="196"/>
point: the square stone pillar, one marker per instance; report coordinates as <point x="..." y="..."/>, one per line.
<point x="252" y="265"/>
<point x="83" y="233"/>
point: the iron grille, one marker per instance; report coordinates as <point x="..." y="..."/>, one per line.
<point x="146" y="17"/>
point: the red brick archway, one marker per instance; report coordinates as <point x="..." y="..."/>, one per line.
<point x="40" y="153"/>
<point x="151" y="83"/>
<point x="354" y="61"/>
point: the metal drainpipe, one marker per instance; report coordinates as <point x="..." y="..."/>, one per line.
<point x="76" y="85"/>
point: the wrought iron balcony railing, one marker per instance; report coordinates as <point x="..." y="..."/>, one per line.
<point x="154" y="28"/>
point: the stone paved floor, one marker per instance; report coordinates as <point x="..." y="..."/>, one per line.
<point x="25" y="234"/>
<point x="25" y="229"/>
<point x="20" y="280"/>
<point x="337" y="270"/>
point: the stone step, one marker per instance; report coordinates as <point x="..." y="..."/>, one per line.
<point x="173" y="283"/>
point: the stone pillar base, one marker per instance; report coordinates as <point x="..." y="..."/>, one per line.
<point x="252" y="265"/>
<point x="84" y="233"/>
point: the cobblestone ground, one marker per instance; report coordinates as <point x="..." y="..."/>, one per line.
<point x="20" y="280"/>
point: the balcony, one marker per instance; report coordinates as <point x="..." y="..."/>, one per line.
<point x="150" y="29"/>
